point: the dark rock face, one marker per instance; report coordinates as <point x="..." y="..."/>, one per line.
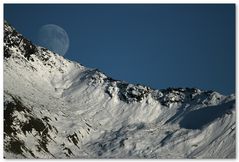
<point x="27" y="123"/>
<point x="13" y="39"/>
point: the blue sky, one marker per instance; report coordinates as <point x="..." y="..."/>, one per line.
<point x="156" y="45"/>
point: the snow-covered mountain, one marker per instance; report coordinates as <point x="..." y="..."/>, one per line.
<point x="56" y="108"/>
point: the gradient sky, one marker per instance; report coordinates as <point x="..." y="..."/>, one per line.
<point x="156" y="45"/>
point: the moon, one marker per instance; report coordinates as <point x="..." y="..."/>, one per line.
<point x="54" y="38"/>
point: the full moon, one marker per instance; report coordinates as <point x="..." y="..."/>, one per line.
<point x="54" y="38"/>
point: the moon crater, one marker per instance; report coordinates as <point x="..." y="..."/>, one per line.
<point x="54" y="38"/>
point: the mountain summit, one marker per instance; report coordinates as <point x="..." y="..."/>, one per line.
<point x="56" y="108"/>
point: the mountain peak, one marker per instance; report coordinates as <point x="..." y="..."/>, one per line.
<point x="56" y="108"/>
<point x="15" y="41"/>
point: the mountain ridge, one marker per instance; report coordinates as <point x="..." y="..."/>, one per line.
<point x="56" y="108"/>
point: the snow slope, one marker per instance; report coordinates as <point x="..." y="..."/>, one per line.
<point x="56" y="108"/>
